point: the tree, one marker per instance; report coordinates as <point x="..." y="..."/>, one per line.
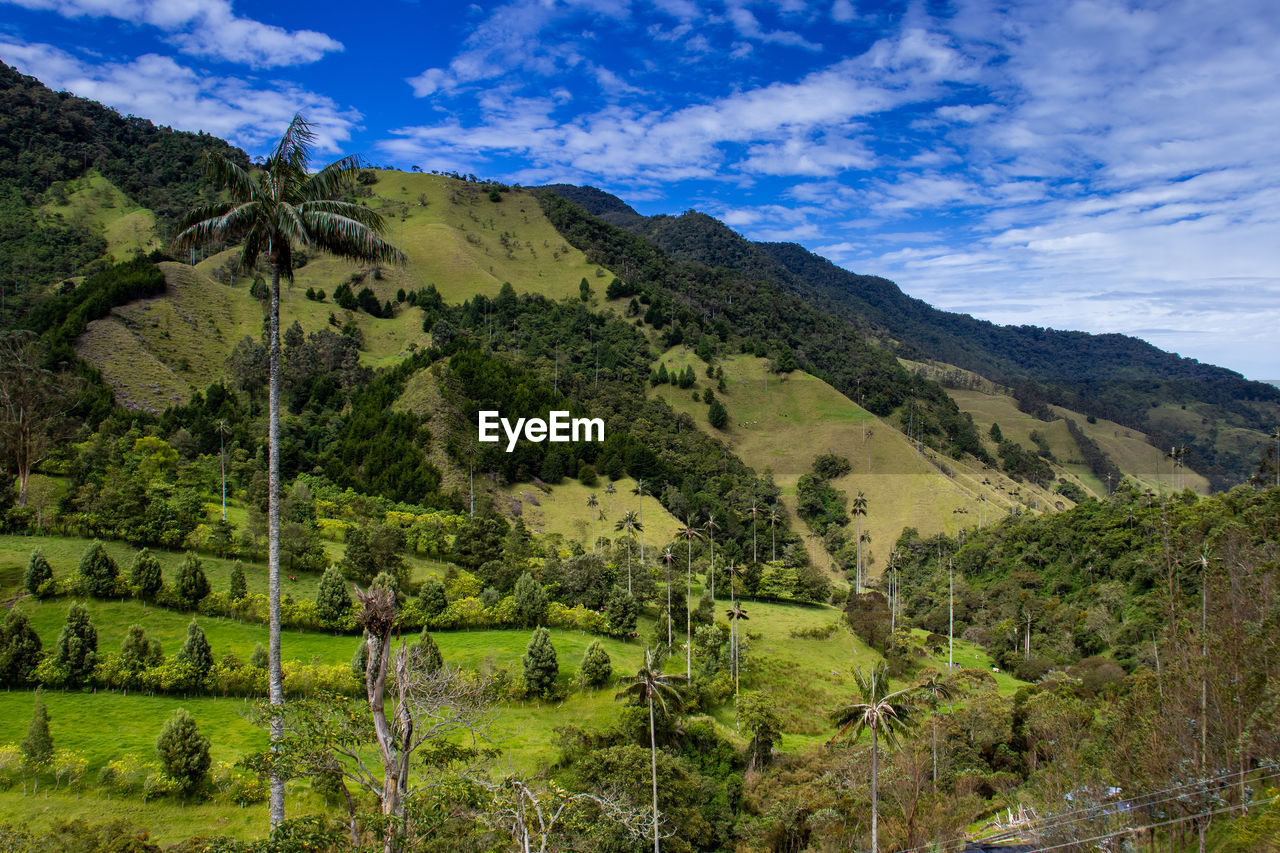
<point x="649" y="685"/>
<point x="936" y="689"/>
<point x="531" y="601"/>
<point x="592" y="504"/>
<point x="197" y="654"/>
<point x="258" y="658"/>
<point x="630" y="523"/>
<point x="34" y="403"/>
<point x="37" y="747"/>
<point x="640" y="491"/>
<point x="540" y="666"/>
<point x="99" y="570"/>
<point x="758" y="714"/>
<point x="711" y="527"/>
<point x="333" y="602"/>
<point x="432" y="599"/>
<point x="183" y="752"/>
<point x="690" y="533"/>
<point x="859" y="511"/>
<point x="668" y="557"/>
<point x="145" y="575"/>
<point x="621" y="611"/>
<point x="754" y="511"/>
<point x="137" y="652"/>
<point x="717" y="415"/>
<point x="596" y="667"/>
<point x="428" y="658"/>
<point x="38" y="573"/>
<point x="238" y="588"/>
<point x="282" y="206"/>
<point x="735" y="613"/>
<point x="192" y="584"/>
<point x="20" y="648"/>
<point x="775" y="515"/>
<point x="77" y="650"/>
<point x="883" y="713"/>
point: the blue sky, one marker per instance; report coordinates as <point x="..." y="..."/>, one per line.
<point x="1095" y="165"/>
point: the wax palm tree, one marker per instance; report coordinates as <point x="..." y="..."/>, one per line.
<point x="884" y="713"/>
<point x="668" y="557"/>
<point x="935" y="689"/>
<point x="859" y="510"/>
<point x="711" y="527"/>
<point x="223" y="429"/>
<point x="269" y="213"/>
<point x="754" y="512"/>
<point x="650" y="684"/>
<point x="609" y="491"/>
<point x="592" y="503"/>
<point x="775" y="515"/>
<point x="690" y="533"/>
<point x="640" y="491"/>
<point x="629" y="523"/>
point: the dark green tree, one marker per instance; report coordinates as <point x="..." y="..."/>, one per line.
<point x="192" y="584"/>
<point x="621" y="611"/>
<point x="137" y="652"/>
<point x="19" y="650"/>
<point x="386" y="580"/>
<point x="37" y="746"/>
<point x="996" y="434"/>
<point x="333" y="602"/>
<point x="258" y="659"/>
<point x="38" y="573"/>
<point x="197" y="654"/>
<point x="239" y="587"/>
<point x="717" y="415"/>
<point x="183" y="752"/>
<point x="540" y="665"/>
<point x="531" y="601"/>
<point x="431" y="597"/>
<point x="145" y="575"/>
<point x="596" y="668"/>
<point x="99" y="571"/>
<point x="77" y="651"/>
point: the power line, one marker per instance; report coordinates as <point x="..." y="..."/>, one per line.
<point x="1155" y="825"/>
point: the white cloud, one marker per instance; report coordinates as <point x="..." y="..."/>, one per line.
<point x="207" y="28"/>
<point x="248" y="113"/>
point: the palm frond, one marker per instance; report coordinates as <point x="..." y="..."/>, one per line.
<point x="228" y="176"/>
<point x="333" y="179"/>
<point x="347" y="238"/>
<point x="295" y="145"/>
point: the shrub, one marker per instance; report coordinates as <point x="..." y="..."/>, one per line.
<point x="333" y="602"/>
<point x="38" y="578"/>
<point x="183" y="752"/>
<point x="540" y="665"/>
<point x="145" y="576"/>
<point x="596" y="668"/>
<point x="239" y="588"/>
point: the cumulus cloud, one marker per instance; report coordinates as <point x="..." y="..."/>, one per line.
<point x="250" y="113"/>
<point x="208" y="29"/>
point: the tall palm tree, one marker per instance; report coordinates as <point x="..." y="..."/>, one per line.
<point x="592" y="503"/>
<point x="775" y="515"/>
<point x="223" y="429"/>
<point x="668" y="558"/>
<point x="640" y="491"/>
<point x="651" y="684"/>
<point x="629" y="523"/>
<point x="711" y="527"/>
<point x="884" y="713"/>
<point x="270" y="212"/>
<point x="936" y="689"/>
<point x="609" y="491"/>
<point x="859" y="510"/>
<point x="690" y="533"/>
<point x="754" y="512"/>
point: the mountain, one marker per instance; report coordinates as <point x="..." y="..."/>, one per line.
<point x="1218" y="415"/>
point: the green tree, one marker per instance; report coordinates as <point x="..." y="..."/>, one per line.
<point x="77" y="650"/>
<point x="192" y="584"/>
<point x="333" y="602"/>
<point x="935" y="689"/>
<point x="885" y="714"/>
<point x="145" y="575"/>
<point x="596" y="667"/>
<point x="197" y="654"/>
<point x="239" y="587"/>
<point x="531" y="601"/>
<point x="717" y="415"/>
<point x="427" y="653"/>
<point x="20" y="648"/>
<point x="540" y="666"/>
<point x="258" y="658"/>
<point x="650" y="685"/>
<point x="282" y="205"/>
<point x="621" y="611"/>
<point x="183" y="752"/>
<point x="137" y="652"/>
<point x="38" y="573"/>
<point x="758" y="714"/>
<point x="996" y="435"/>
<point x="629" y="524"/>
<point x="99" y="571"/>
<point x="386" y="580"/>
<point x="432" y="599"/>
<point x="37" y="747"/>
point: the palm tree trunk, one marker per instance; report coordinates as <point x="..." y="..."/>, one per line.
<point x="875" y="769"/>
<point x="653" y="754"/>
<point x="688" y="617"/>
<point x="935" y="751"/>
<point x="628" y="568"/>
<point x="275" y="680"/>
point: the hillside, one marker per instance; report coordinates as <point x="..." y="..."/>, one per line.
<point x="1108" y="376"/>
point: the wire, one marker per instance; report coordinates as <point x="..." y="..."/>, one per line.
<point x="1154" y="825"/>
